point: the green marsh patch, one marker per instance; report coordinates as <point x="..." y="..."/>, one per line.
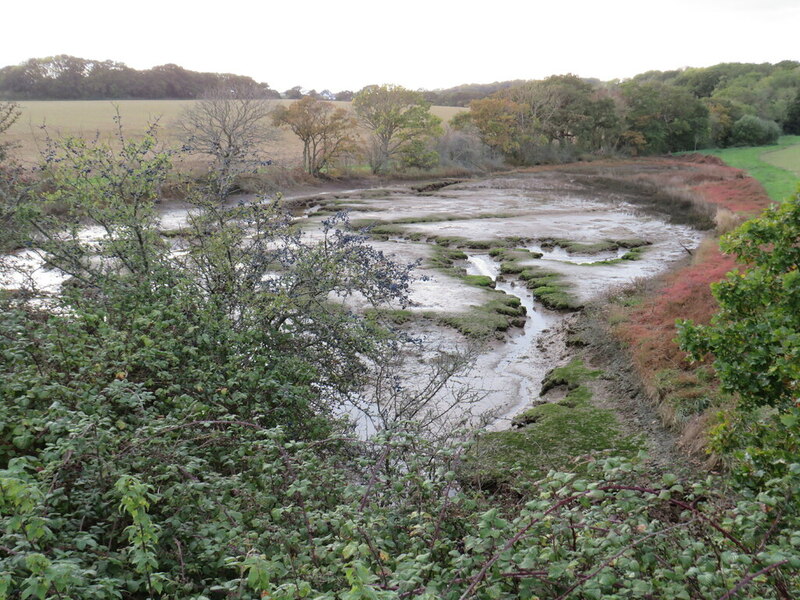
<point x="499" y="314"/>
<point x="553" y="435"/>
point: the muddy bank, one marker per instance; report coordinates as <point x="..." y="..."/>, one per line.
<point x="587" y="337"/>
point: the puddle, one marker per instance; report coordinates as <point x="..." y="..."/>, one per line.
<point x="560" y="254"/>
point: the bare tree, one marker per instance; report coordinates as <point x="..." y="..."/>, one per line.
<point x="230" y="125"/>
<point x="423" y="390"/>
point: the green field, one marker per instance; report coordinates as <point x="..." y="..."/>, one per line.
<point x="88" y="117"/>
<point x="787" y="159"/>
<point x="777" y="167"/>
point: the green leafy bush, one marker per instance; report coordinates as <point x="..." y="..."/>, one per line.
<point x="755" y="340"/>
<point x="754" y="131"/>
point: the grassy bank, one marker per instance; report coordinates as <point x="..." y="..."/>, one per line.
<point x="787" y="159"/>
<point x="685" y="395"/>
<point x="770" y="165"/>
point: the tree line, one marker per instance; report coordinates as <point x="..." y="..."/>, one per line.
<point x="65" y="77"/>
<point x="557" y="119"/>
<point x="562" y="117"/>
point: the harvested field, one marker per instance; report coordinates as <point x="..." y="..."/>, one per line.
<point x="86" y="118"/>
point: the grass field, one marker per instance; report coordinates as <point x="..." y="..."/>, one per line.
<point x="86" y="118"/>
<point x="787" y="159"/>
<point x="776" y="167"/>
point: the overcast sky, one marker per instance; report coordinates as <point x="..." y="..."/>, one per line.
<point x="347" y="44"/>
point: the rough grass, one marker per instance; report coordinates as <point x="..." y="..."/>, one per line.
<point x="778" y="181"/>
<point x="499" y="314"/>
<point x="656" y="186"/>
<point x="395" y="227"/>
<point x="685" y="395"/>
<point x="443" y="258"/>
<point x="547" y="286"/>
<point x="551" y="435"/>
<point x="636" y="245"/>
<point x="649" y="329"/>
<point x="495" y="316"/>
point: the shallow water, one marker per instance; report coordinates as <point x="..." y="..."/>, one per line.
<point x="26" y="269"/>
<point x="560" y="254"/>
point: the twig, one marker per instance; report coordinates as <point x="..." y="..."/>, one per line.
<point x="750" y="578"/>
<point x="586" y="578"/>
<point x="374" y="478"/>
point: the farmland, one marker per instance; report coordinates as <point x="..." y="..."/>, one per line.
<point x="87" y="118"/>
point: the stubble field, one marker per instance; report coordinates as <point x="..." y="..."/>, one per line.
<point x="87" y="118"/>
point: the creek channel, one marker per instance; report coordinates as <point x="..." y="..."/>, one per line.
<point x="511" y="373"/>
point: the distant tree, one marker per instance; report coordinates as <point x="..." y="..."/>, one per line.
<point x="545" y="120"/>
<point x="500" y="122"/>
<point x="462" y="95"/>
<point x="463" y="147"/>
<point x="395" y="118"/>
<point x="792" y="123"/>
<point x="231" y="126"/>
<point x="566" y="109"/>
<point x="666" y="118"/>
<point x="327" y="132"/>
<point x="722" y="114"/>
<point x="701" y="82"/>
<point x="559" y="105"/>
<point x="294" y="93"/>
<point x="70" y="77"/>
<point x="344" y="96"/>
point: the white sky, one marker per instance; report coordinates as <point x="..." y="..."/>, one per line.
<point x="346" y="44"/>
